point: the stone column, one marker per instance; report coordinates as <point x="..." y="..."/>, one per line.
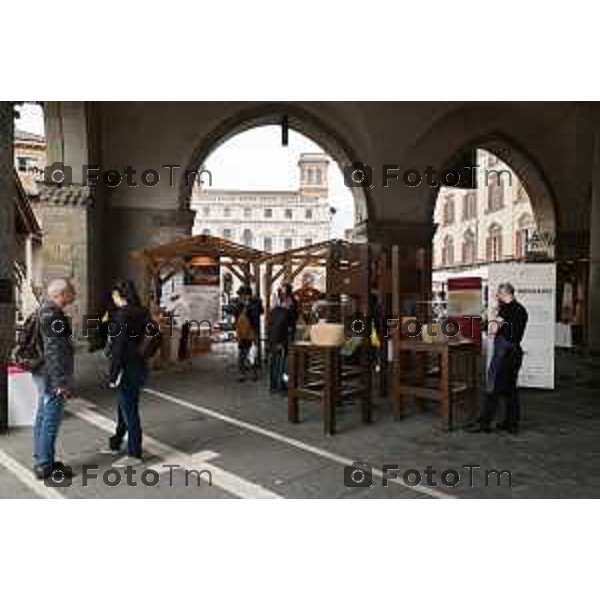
<point x="7" y="253"/>
<point x="65" y="215"/>
<point x="594" y="281"/>
<point x="130" y="229"/>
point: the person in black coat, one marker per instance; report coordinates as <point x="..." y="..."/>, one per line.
<point x="279" y="328"/>
<point x="505" y="364"/>
<point x="128" y="368"/>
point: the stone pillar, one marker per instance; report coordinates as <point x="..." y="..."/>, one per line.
<point x="7" y="253"/>
<point x="65" y="216"/>
<point x="132" y="229"/>
<point x="593" y="336"/>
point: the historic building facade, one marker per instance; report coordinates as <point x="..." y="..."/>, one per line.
<point x="269" y="220"/>
<point x="494" y="222"/>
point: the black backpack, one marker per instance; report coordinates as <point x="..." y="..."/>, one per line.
<point x="29" y="351"/>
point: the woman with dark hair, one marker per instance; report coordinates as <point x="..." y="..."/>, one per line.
<point x="128" y="368"/>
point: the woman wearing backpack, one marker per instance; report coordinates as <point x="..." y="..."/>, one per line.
<point x="128" y="368"/>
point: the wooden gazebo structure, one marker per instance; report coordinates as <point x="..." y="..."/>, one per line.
<point x="346" y="266"/>
<point x="163" y="262"/>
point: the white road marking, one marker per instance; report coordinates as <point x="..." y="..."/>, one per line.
<point x="237" y="486"/>
<point x="337" y="458"/>
<point x="26" y="476"/>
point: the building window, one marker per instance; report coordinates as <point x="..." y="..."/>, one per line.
<point x="227" y="211"/>
<point x="448" y="218"/>
<point x="25" y="163"/>
<point x="318" y="177"/>
<point x="287" y="243"/>
<point x="268" y="244"/>
<point x="206" y="231"/>
<point x="469" y="248"/>
<point x="206" y="211"/>
<point x="227" y="234"/>
<point x="493" y="246"/>
<point x="268" y="213"/>
<point x="308" y="213"/>
<point x="308" y="242"/>
<point x="469" y="206"/>
<point x="247" y="237"/>
<point x="495" y="193"/>
<point x="448" y="251"/>
<point x="247" y="213"/>
<point x="525" y="226"/>
<point x="288" y="213"/>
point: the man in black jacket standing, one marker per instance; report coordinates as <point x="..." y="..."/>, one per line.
<point x="505" y="364"/>
<point x="54" y="377"/>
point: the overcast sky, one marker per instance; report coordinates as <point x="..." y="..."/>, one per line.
<point x="253" y="160"/>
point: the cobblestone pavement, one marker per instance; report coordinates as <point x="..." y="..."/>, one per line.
<point x="202" y="418"/>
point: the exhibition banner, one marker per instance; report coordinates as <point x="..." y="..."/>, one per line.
<point x="535" y="289"/>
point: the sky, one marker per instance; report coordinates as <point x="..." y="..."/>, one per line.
<point x="252" y="160"/>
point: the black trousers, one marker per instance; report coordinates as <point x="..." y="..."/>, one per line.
<point x="183" y="352"/>
<point x="502" y="384"/>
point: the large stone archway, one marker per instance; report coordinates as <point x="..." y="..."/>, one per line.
<point x="298" y="119"/>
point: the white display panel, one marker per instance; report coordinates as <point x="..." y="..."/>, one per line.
<point x="535" y="289"/>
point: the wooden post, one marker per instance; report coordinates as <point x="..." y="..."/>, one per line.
<point x="293" y="412"/>
<point x="7" y="253"/>
<point x="256" y="274"/>
<point x="445" y="402"/>
<point x="332" y="388"/>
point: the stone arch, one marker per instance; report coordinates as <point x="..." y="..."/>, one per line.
<point x="300" y="120"/>
<point x="498" y="129"/>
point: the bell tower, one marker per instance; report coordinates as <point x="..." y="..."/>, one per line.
<point x="314" y="175"/>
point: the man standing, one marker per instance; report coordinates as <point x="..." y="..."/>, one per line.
<point x="506" y="362"/>
<point x="54" y="377"/>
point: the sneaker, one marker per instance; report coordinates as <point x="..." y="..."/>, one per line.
<point x="127" y="461"/>
<point x="111" y="451"/>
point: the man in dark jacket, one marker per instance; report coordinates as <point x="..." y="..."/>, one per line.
<point x="505" y="364"/>
<point x="54" y="377"/>
<point x="278" y="335"/>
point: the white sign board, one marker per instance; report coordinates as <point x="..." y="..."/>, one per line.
<point x="535" y="289"/>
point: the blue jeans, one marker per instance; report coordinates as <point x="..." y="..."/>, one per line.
<point x="129" y="400"/>
<point x="277" y="367"/>
<point x="47" y="422"/>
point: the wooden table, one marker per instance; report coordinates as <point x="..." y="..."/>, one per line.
<point x="321" y="373"/>
<point x="455" y="373"/>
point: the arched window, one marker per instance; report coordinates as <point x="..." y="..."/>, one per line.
<point x="448" y="251"/>
<point x="449" y="211"/>
<point x="495" y="190"/>
<point x="469" y="248"/>
<point x="493" y="246"/>
<point x="469" y="206"/>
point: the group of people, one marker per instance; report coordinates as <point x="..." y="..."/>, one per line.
<point x="53" y="373"/>
<point x="128" y="370"/>
<point x="281" y="330"/>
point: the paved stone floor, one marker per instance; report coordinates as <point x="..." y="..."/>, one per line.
<point x="202" y="418"/>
